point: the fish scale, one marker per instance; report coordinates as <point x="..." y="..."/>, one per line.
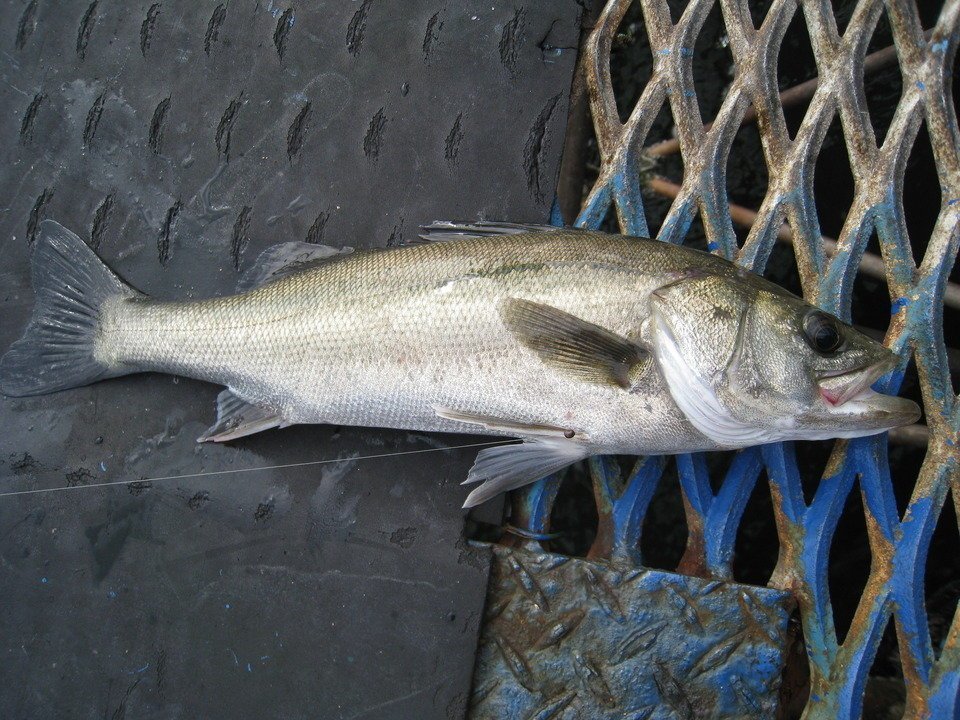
<point x="381" y="338"/>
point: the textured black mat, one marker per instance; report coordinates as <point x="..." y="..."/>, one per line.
<point x="181" y="139"/>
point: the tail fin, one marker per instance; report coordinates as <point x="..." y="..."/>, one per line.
<point x="56" y="351"/>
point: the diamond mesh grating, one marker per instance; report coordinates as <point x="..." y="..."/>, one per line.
<point x="827" y="269"/>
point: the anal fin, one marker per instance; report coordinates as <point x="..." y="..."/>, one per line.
<point x="236" y="418"/>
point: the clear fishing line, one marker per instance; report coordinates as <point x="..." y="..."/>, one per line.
<point x="211" y="473"/>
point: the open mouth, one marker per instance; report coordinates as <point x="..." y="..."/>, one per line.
<point x="849" y="395"/>
<point x="842" y="387"/>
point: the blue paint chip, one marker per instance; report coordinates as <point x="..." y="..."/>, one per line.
<point x="226" y="605"/>
<point x="954" y="201"/>
<point x="939" y="47"/>
<point x="556" y="216"/>
<point x="112" y="594"/>
<point x="711" y="246"/>
<point x="689" y="93"/>
<point x="686" y="52"/>
<point x="899" y="304"/>
<point x="43" y="580"/>
<point x="665" y="51"/>
<point x="920" y="85"/>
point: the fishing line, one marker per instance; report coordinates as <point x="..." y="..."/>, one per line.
<point x="210" y="473"/>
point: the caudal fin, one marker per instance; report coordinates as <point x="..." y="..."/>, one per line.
<point x="57" y="351"/>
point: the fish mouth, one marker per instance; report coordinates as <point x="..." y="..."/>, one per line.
<point x="849" y="393"/>
<point x="837" y="388"/>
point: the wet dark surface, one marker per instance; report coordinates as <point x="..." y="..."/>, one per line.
<point x="181" y="139"/>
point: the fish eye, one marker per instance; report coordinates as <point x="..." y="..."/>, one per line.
<point x="822" y="332"/>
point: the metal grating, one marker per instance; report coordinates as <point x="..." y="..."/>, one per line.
<point x="918" y="290"/>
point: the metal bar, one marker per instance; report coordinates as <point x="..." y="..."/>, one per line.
<point x="788" y="98"/>
<point x="827" y="268"/>
<point x="870" y="264"/>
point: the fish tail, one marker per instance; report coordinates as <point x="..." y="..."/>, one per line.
<point x="58" y="349"/>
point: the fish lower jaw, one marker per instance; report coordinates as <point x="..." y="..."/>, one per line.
<point x="852" y="405"/>
<point x="875" y="411"/>
<point x="837" y="390"/>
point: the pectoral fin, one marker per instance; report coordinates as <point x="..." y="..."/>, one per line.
<point x="576" y="346"/>
<point x="508" y="467"/>
<point x="237" y="418"/>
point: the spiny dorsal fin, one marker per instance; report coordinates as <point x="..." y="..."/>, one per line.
<point x="507" y="467"/>
<point x="568" y="343"/>
<point x="237" y="418"/>
<point x="285" y="259"/>
<point x="443" y="230"/>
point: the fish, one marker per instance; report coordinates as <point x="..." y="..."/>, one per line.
<point x="575" y="342"/>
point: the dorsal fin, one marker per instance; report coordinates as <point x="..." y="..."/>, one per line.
<point x="443" y="230"/>
<point x="285" y="259"/>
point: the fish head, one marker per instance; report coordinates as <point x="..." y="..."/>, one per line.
<point x="750" y="363"/>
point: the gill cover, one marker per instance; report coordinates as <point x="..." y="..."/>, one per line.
<point x="699" y="324"/>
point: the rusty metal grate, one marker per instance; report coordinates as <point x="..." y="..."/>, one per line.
<point x="918" y="290"/>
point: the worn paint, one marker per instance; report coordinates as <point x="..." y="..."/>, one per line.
<point x="899" y="545"/>
<point x="613" y="641"/>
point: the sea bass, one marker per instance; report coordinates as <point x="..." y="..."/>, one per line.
<point x="576" y="342"/>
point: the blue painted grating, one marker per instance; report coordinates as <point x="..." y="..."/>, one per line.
<point x="918" y="291"/>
